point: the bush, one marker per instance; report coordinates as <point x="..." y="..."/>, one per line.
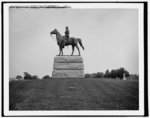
<point x="133" y="77"/>
<point x="46" y="77"/>
<point x="35" y="77"/>
<point x="95" y="75"/>
<point x="87" y="75"/>
<point x="27" y="76"/>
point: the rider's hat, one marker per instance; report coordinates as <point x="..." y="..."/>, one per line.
<point x="66" y="27"/>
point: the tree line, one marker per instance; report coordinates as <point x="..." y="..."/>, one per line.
<point x="28" y="76"/>
<point x="114" y="73"/>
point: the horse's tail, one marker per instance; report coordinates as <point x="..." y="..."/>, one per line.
<point x="80" y="42"/>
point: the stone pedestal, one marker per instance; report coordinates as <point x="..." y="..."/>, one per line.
<point x="68" y="67"/>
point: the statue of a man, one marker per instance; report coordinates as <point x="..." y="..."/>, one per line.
<point x="67" y="32"/>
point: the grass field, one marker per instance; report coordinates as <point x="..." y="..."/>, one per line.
<point x="74" y="94"/>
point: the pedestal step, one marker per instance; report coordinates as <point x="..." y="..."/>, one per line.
<point x="68" y="59"/>
<point x="68" y="74"/>
<point x="68" y="66"/>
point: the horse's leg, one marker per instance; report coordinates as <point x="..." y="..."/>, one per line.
<point x="59" y="51"/>
<point x="72" y="50"/>
<point x="78" y="49"/>
<point x="62" y="51"/>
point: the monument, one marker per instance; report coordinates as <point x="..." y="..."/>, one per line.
<point x="67" y="66"/>
<point x="124" y="76"/>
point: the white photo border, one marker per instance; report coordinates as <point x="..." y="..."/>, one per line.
<point x="84" y="5"/>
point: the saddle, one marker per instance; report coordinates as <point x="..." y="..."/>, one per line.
<point x="65" y="41"/>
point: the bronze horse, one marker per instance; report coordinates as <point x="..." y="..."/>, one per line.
<point x="71" y="41"/>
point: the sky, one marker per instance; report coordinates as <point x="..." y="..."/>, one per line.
<point x="110" y="38"/>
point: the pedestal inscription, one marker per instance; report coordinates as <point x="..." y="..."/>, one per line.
<point x="68" y="67"/>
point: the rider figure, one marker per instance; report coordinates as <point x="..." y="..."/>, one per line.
<point x="67" y="33"/>
<point x="66" y="36"/>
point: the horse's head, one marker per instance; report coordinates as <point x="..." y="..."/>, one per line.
<point x="53" y="32"/>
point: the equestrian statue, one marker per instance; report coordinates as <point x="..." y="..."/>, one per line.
<point x="63" y="41"/>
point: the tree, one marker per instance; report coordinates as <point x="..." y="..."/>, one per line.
<point x="27" y="75"/>
<point x="107" y="74"/>
<point x="116" y="73"/>
<point x="121" y="72"/>
<point x="113" y="73"/>
<point x="94" y="75"/>
<point x="19" y="77"/>
<point x="126" y="73"/>
<point x="100" y="75"/>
